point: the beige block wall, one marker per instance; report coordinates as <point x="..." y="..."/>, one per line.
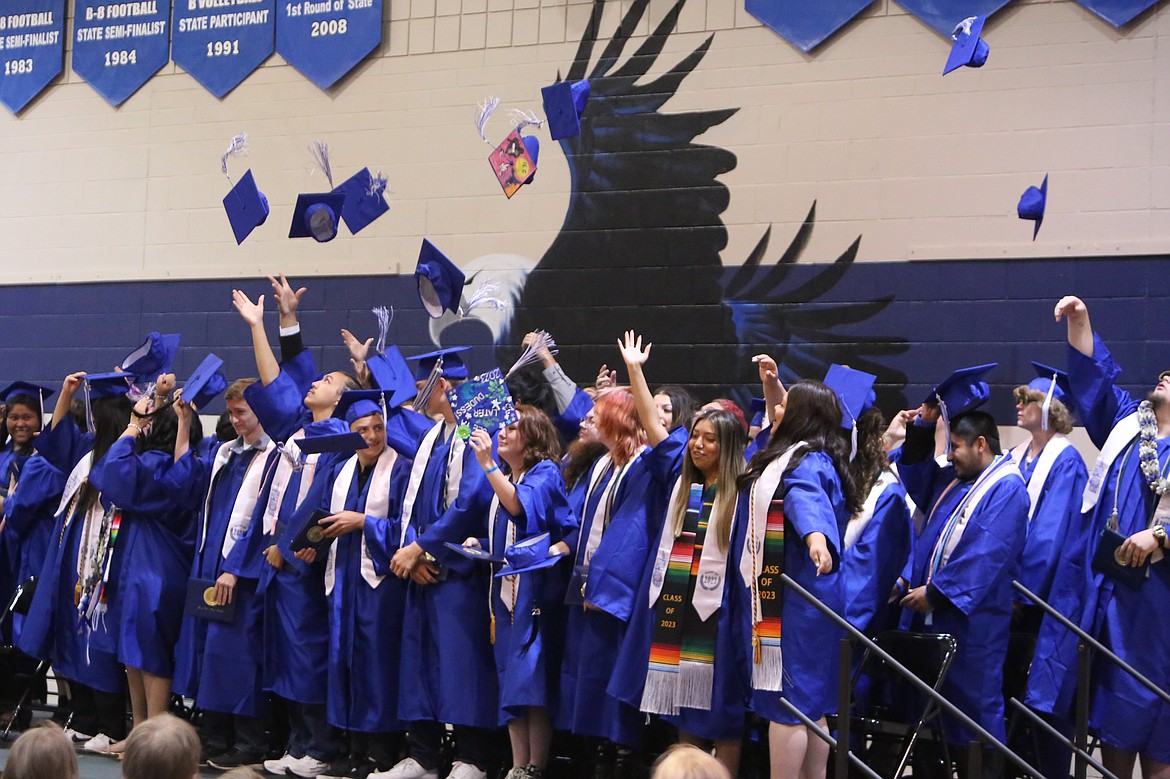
<point x="922" y="167"/>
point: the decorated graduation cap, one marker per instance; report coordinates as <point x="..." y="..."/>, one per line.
<point x="440" y="282"/>
<point x="564" y="102"/>
<point x="1032" y="204"/>
<point x="155" y="356"/>
<point x="1053" y="383"/>
<point x="514" y="160"/>
<point x="483" y="402"/>
<point x="968" y="49"/>
<point x="364" y="199"/>
<point x="18" y="389"/>
<point x="245" y="204"/>
<point x="205" y="382"/>
<point x="316" y="215"/>
<point x="358" y="404"/>
<point x="453" y="368"/>
<point x="531" y="554"/>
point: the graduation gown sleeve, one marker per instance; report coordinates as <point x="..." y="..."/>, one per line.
<point x="544" y="504"/>
<point x="1100" y="404"/>
<point x="809" y="489"/>
<point x="877" y="557"/>
<point x="278" y="405"/>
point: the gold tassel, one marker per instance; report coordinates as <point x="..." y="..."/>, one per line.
<point x="756" y="645"/>
<point x="493" y="629"/>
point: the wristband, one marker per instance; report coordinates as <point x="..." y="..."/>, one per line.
<point x="136" y="427"/>
<point x="493" y="469"/>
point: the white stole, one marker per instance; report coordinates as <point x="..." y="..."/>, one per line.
<point x="1122" y="433"/>
<point x="712" y="564"/>
<point x="285" y="468"/>
<point x="508" y="584"/>
<point x="76" y="478"/>
<point x="453" y="473"/>
<point x="245" y="501"/>
<point x="1044" y="462"/>
<point x="377" y="505"/>
<point x="604" y="502"/>
<point x="957" y="521"/>
<point x="858" y="523"/>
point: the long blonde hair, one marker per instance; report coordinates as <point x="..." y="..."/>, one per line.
<point x="732" y="440"/>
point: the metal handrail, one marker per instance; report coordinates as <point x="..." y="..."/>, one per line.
<point x="1036" y="719"/>
<point x="854" y="760"/>
<point x="1092" y="642"/>
<point x="915" y="682"/>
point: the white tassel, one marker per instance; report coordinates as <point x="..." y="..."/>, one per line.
<point x="237" y="148"/>
<point x="320" y="151"/>
<point x="483" y="112"/>
<point x="523" y="119"/>
<point x="385" y="317"/>
<point x="946" y="419"/>
<point x="1044" y="409"/>
<point x="483" y="297"/>
<point x="377" y="184"/>
<point x="542" y="341"/>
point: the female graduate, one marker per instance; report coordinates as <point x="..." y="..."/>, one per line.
<point x="679" y="657"/>
<point x="796" y="497"/>
<point x="22" y="422"/>
<point x="153" y="550"/>
<point x="527" y="612"/>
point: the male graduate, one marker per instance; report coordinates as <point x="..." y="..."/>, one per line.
<point x="1126" y="503"/>
<point x="218" y="663"/>
<point x="362" y="494"/>
<point x="295" y="612"/>
<point x="448" y="669"/>
<point x="959" y="579"/>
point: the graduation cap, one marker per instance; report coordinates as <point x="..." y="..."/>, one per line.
<point x="1053" y="384"/>
<point x="246" y="207"/>
<point x="513" y="162"/>
<point x="358" y="404"/>
<point x="968" y="50"/>
<point x="107" y="385"/>
<point x="473" y="553"/>
<point x="205" y="382"/>
<point x="364" y="201"/>
<point x="155" y="356"/>
<point x="453" y="366"/>
<point x="316" y="215"/>
<point x="564" y="102"/>
<point x="531" y="554"/>
<point x="532" y="144"/>
<point x="964" y="390"/>
<point x="482" y="402"/>
<point x="390" y="372"/>
<point x="854" y="389"/>
<point x="19" y="389"/>
<point x="757" y="409"/>
<point x="335" y="442"/>
<point x="440" y="282"/>
<point x="1032" y="203"/>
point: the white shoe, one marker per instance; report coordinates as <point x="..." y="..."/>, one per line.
<point x="307" y="766"/>
<point x="406" y="769"/>
<point x="279" y="767"/>
<point x="77" y="737"/>
<point x="99" y="743"/>
<point x="460" y="770"/>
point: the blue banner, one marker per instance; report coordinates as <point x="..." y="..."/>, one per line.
<point x="805" y="25"/>
<point x="325" y="39"/>
<point x="943" y="15"/>
<point x="32" y="47"/>
<point x="1117" y="12"/>
<point x="219" y="42"/>
<point x="118" y="46"/>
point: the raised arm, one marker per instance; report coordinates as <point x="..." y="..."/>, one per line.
<point x="774" y="393"/>
<point x="253" y="314"/>
<point x="505" y="490"/>
<point x="65" y="398"/>
<point x="1080" y="331"/>
<point x="183" y="428"/>
<point x="358" y="352"/>
<point x="634" y="357"/>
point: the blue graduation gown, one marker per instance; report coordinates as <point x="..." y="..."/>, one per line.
<point x="1056" y="517"/>
<point x="871" y="566"/>
<point x="28" y="515"/>
<point x="295" y="611"/>
<point x="448" y="671"/>
<point x="53" y="629"/>
<point x="151" y="559"/>
<point x="218" y="663"/>
<point x="594" y="637"/>
<point x="976" y="583"/>
<point x="11" y="465"/>
<point x="1124" y="714"/>
<point x="725" y="717"/>
<point x="813" y="503"/>
<point x="528" y="648"/>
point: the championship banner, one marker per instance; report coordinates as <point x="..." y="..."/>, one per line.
<point x="32" y="46"/>
<point x="325" y="39"/>
<point x="118" y="46"/>
<point x="220" y="42"/>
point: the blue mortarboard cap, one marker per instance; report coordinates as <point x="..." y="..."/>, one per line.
<point x="363" y="200"/>
<point x="391" y="372"/>
<point x="108" y="385"/>
<point x="968" y="50"/>
<point x="357" y="404"/>
<point x="854" y="388"/>
<point x="532" y="144"/>
<point x="440" y="282"/>
<point x="1032" y="203"/>
<point x="453" y="365"/>
<point x="155" y="356"/>
<point x="531" y="554"/>
<point x="17" y="388"/>
<point x="334" y="442"/>
<point x="246" y="207"/>
<point x="1043" y="381"/>
<point x="962" y="391"/>
<point x="564" y="102"/>
<point x="205" y="382"/>
<point x="315" y="216"/>
<point x="757" y="409"/>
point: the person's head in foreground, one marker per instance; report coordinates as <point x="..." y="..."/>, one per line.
<point x="163" y="747"/>
<point x="42" y="753"/>
<point x="684" y="761"/>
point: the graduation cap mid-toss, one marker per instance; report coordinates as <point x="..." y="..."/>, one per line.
<point x="317" y="214"/>
<point x="155" y="356"/>
<point x="968" y="50"/>
<point x="364" y="200"/>
<point x="245" y="204"/>
<point x="1032" y="204"/>
<point x="440" y="282"/>
<point x="564" y="102"/>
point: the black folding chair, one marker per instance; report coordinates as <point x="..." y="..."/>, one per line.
<point x="19" y="604"/>
<point x="891" y="718"/>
